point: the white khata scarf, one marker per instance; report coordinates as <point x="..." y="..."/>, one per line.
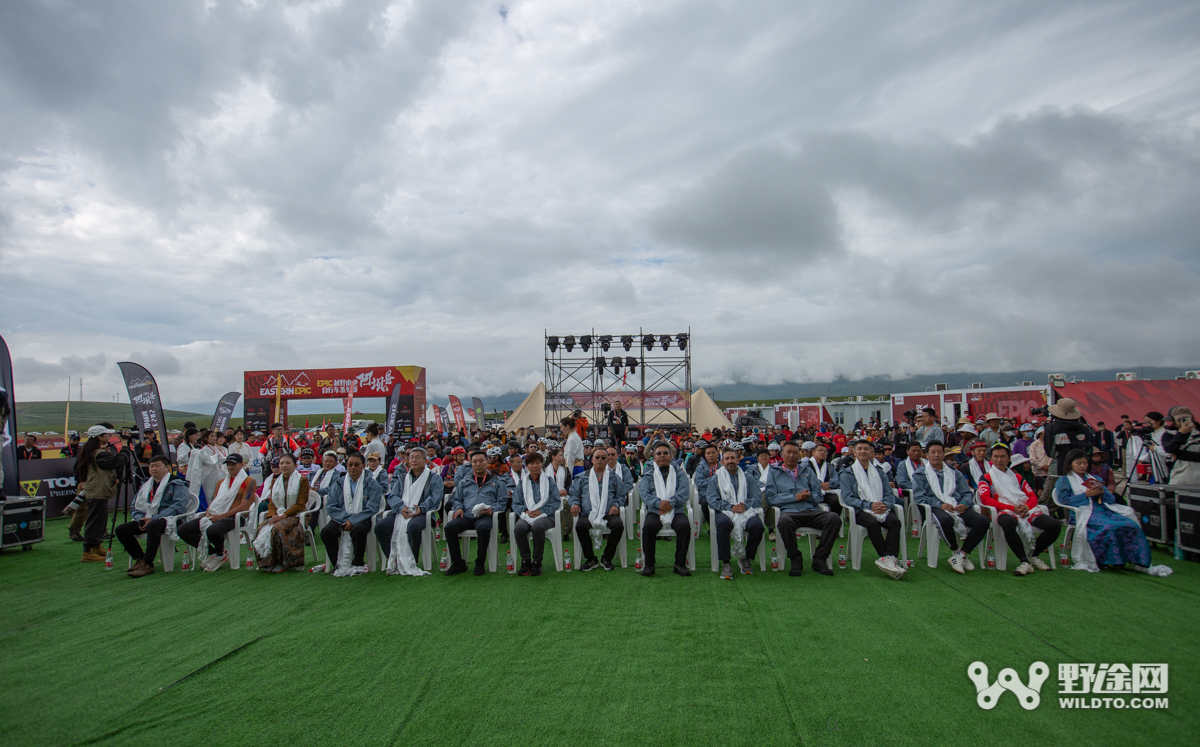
<point x="908" y="465"/>
<point x="870" y="487"/>
<point x="284" y="494"/>
<point x="943" y="489"/>
<point x="976" y="472"/>
<point x="821" y="470"/>
<point x="223" y="501"/>
<point x="352" y="500"/>
<point x="401" y="561"/>
<point x="144" y="503"/>
<point x="1006" y="487"/>
<point x="376" y="473"/>
<point x="598" y="497"/>
<point x="664" y="490"/>
<point x="735" y="496"/>
<point x="542" y="495"/>
<point x="1082" y="557"/>
<point x="560" y="477"/>
<point x="324" y="479"/>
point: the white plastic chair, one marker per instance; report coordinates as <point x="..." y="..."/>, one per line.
<point x="166" y="547"/>
<point x="858" y="534"/>
<point x="622" y="550"/>
<point x="1069" y="537"/>
<point x="244" y="527"/>
<point x="426" y="538"/>
<point x="553" y="536"/>
<point x="693" y="512"/>
<point x="712" y="543"/>
<point x="931" y="537"/>
<point x="997" y="538"/>
<point x="315" y="505"/>
<point x="781" y="549"/>
<point x="466" y="536"/>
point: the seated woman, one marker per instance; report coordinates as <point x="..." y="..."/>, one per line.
<point x="1017" y="512"/>
<point x="264" y="490"/>
<point x="1099" y="469"/>
<point x="1113" y="535"/>
<point x="279" y="544"/>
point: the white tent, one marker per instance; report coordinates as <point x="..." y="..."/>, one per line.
<point x="705" y="413"/>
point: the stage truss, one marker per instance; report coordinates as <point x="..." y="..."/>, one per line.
<point x="657" y="379"/>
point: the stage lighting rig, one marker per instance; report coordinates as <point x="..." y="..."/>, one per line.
<point x="648" y="342"/>
<point x="627" y="341"/>
<point x="552" y="343"/>
<point x="682" y="339"/>
<point x="569" y="342"/>
<point x="601" y="363"/>
<point x="666" y="341"/>
<point x="631" y="363"/>
<point x="616" y="364"/>
<point x="585" y="342"/>
<point x="605" y="342"/>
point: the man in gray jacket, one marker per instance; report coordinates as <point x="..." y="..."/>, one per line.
<point x="669" y="500"/>
<point x="793" y="488"/>
<point x="430" y="499"/>
<point x="161" y="496"/>
<point x="352" y="502"/>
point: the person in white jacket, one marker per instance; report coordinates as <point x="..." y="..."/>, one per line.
<point x="573" y="455"/>
<point x="205" y="465"/>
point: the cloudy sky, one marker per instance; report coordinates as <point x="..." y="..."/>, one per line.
<point x="816" y="189"/>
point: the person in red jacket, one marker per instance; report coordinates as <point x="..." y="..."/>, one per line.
<point x="1016" y="506"/>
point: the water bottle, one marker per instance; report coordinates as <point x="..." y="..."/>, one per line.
<point x="319" y="568"/>
<point x="909" y="562"/>
<point x="187" y="563"/>
<point x="841" y="557"/>
<point x="567" y="560"/>
<point x="991" y="557"/>
<point x="249" y="563"/>
<point x="444" y="563"/>
<point x="774" y="560"/>
<point x="1062" y="555"/>
<point x="108" y="561"/>
<point x="511" y="568"/>
<point x="639" y="561"/>
<point x="437" y="532"/>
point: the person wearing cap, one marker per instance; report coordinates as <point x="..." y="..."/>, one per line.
<point x="1025" y="437"/>
<point x="96" y="481"/>
<point x="414" y="493"/>
<point x="475" y="501"/>
<point x="664" y="493"/>
<point x="866" y="491"/>
<point x="1018" y="512"/>
<point x="736" y="499"/>
<point x="534" y="501"/>
<point x="929" y="430"/>
<point x="793" y="488"/>
<point x="977" y="466"/>
<point x="1066" y="431"/>
<point x="944" y="491"/>
<point x="991" y="434"/>
<point x="233" y="494"/>
<point x="307" y="466"/>
<point x="377" y="471"/>
<point x="161" y="496"/>
<point x="1099" y="469"/>
<point x="351" y="503"/>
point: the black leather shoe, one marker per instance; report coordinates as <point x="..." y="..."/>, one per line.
<point x="821" y="567"/>
<point x="526" y="569"/>
<point x="536" y="570"/>
<point x="479" y="569"/>
<point x="683" y="570"/>
<point x="456" y="568"/>
<point x="797" y="565"/>
<point x="648" y="570"/>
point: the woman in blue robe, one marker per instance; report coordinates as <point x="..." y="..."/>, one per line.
<point x="1115" y="538"/>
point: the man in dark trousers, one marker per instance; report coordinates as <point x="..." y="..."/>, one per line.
<point x="618" y="421"/>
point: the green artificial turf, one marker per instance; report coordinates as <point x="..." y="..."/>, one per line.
<point x="236" y="657"/>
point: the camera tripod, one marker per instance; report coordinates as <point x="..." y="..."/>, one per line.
<point x="129" y="478"/>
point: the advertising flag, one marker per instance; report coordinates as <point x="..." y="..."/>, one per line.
<point x="478" y="403"/>
<point x="8" y="412"/>
<point x="460" y="420"/>
<point x="224" y="411"/>
<point x="147" y="405"/>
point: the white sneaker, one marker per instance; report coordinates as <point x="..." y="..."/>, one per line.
<point x="358" y="570"/>
<point x="1023" y="569"/>
<point x="881" y="564"/>
<point x="1039" y="563"/>
<point x="967" y="562"/>
<point x="898" y="570"/>
<point x="213" y="562"/>
<point x="956" y="562"/>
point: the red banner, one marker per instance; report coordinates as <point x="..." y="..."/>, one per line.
<point x="904" y="402"/>
<point x="1012" y="404"/>
<point x="674" y="400"/>
<point x="460" y="420"/>
<point x="333" y="383"/>
<point x="348" y="404"/>
<point x="1107" y="401"/>
<point x="810" y="415"/>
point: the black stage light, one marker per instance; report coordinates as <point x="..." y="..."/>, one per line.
<point x="682" y="338"/>
<point x="627" y="341"/>
<point x="605" y="342"/>
<point x="585" y="342"/>
<point x="552" y="343"/>
<point x="601" y="363"/>
<point x="616" y="364"/>
<point x="648" y="341"/>
<point x="666" y="341"/>
<point x="631" y="363"/>
<point x="569" y="342"/>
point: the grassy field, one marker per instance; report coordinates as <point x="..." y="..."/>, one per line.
<point x="48" y="416"/>
<point x="237" y="657"/>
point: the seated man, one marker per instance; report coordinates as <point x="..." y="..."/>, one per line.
<point x="476" y="499"/>
<point x="414" y="494"/>
<point x="1018" y="512"/>
<point x="913" y="464"/>
<point x="977" y="466"/>
<point x="792" y="487"/>
<point x="595" y="497"/>
<point x="704" y="471"/>
<point x="623" y="473"/>
<point x="664" y="491"/>
<point x="534" y="502"/>
<point x="351" y="502"/>
<point x="207" y="531"/>
<point x="375" y="467"/>
<point x="866" y="491"/>
<point x="161" y="496"/>
<point x="826" y="474"/>
<point x="737" y="501"/>
<point x="944" y="491"/>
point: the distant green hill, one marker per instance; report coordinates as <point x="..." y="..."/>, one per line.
<point x="48" y="416"/>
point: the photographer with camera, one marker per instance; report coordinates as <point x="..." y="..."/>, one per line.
<point x="1066" y="431"/>
<point x="1183" y="444"/>
<point x="96" y="481"/>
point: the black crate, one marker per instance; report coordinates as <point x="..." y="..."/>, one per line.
<point x="24" y="521"/>
<point x="1155" y="509"/>
<point x="1187" y="509"/>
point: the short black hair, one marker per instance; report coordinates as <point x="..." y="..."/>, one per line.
<point x="276" y="425"/>
<point x="534" y="458"/>
<point x="929" y="411"/>
<point x="933" y="443"/>
<point x="161" y="460"/>
<point x="568" y="421"/>
<point x="471" y="454"/>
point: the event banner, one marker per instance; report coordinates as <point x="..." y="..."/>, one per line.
<point x="147" y="405"/>
<point x="224" y="411"/>
<point x="401" y="413"/>
<point x="1011" y="404"/>
<point x="8" y="412"/>
<point x="318" y="383"/>
<point x="52" y="479"/>
<point x="348" y="407"/>
<point x="258" y="414"/>
<point x="437" y="418"/>
<point x="478" y="404"/>
<point x="445" y="418"/>
<point x="460" y="418"/>
<point x="673" y="400"/>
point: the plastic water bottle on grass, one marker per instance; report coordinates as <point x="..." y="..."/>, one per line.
<point x="249" y="563"/>
<point x="444" y="563"/>
<point x="108" y="560"/>
<point x="639" y="561"/>
<point x="842" y="557"/>
<point x="774" y="560"/>
<point x="991" y="557"/>
<point x="509" y="563"/>
<point x="567" y="560"/>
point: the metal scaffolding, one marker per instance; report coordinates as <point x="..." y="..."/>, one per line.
<point x="654" y="373"/>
